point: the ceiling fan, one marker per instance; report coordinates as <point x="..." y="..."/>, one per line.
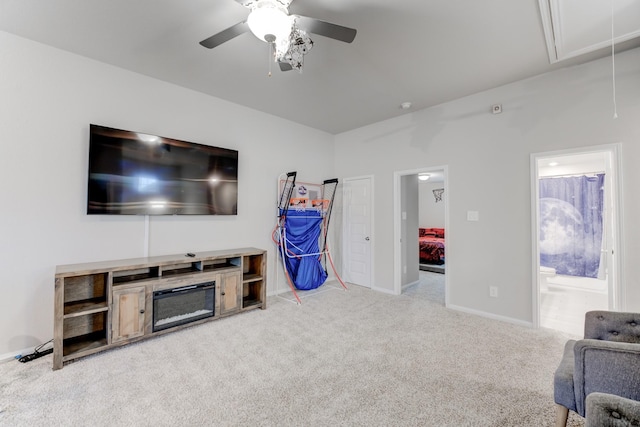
<point x="270" y="21"/>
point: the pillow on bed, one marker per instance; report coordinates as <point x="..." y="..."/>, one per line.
<point x="435" y="232"/>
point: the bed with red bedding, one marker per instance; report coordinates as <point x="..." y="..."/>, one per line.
<point x="431" y="241"/>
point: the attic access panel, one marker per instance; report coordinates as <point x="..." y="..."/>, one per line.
<point x="576" y="27"/>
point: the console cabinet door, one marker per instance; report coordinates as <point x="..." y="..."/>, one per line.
<point x="127" y="319"/>
<point x="229" y="292"/>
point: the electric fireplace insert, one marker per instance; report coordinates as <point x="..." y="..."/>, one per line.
<point x="177" y="306"/>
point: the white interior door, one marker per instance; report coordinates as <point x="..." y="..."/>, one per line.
<point x="358" y="200"/>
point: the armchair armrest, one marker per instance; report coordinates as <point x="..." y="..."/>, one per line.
<point x="607" y="367"/>
<point x="607" y="410"/>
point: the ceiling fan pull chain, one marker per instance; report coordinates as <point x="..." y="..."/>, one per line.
<point x="270" y="50"/>
<point x="613" y="63"/>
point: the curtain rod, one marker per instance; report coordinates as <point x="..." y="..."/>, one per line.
<point x="574" y="174"/>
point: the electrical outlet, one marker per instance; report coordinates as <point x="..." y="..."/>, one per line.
<point x="493" y="291"/>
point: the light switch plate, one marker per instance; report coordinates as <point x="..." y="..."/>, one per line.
<point x="473" y="216"/>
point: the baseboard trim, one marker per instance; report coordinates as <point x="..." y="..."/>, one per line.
<point x="12" y="356"/>
<point x="491" y="316"/>
<point x="410" y="284"/>
<point x="383" y="290"/>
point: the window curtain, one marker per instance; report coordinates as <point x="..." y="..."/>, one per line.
<point x="571" y="224"/>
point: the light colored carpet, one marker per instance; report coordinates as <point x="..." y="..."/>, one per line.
<point x="343" y="358"/>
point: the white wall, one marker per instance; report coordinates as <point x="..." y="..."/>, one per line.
<point x="431" y="212"/>
<point x="488" y="162"/>
<point x="48" y="98"/>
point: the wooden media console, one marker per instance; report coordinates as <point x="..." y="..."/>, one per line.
<point x="102" y="305"/>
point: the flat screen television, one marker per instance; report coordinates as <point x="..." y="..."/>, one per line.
<point x="133" y="173"/>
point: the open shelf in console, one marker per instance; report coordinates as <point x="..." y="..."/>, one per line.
<point x="85" y="294"/>
<point x="86" y="343"/>
<point x="253" y="291"/>
<point x="88" y="306"/>
<point x="135" y="275"/>
<point x="252" y="267"/>
<point x="84" y="332"/>
<point x="220" y="264"/>
<point x="181" y="268"/>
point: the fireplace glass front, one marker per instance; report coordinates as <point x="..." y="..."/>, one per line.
<point x="173" y="307"/>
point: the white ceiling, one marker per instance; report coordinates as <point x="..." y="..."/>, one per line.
<point x="424" y="52"/>
<point x="575" y="27"/>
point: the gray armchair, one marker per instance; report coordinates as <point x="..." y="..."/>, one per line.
<point x="608" y="410"/>
<point x="607" y="360"/>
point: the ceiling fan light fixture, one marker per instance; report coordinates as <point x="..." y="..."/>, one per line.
<point x="293" y="52"/>
<point x="270" y="22"/>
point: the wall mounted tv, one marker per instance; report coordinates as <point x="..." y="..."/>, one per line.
<point x="134" y="173"/>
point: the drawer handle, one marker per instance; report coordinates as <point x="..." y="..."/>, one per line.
<point x="141" y="311"/>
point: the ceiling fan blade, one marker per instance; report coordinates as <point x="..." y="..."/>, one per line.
<point x="327" y="29"/>
<point x="226" y="35"/>
<point x="285" y="66"/>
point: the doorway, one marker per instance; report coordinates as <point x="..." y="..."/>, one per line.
<point x="357" y="231"/>
<point x="410" y="220"/>
<point x="575" y="196"/>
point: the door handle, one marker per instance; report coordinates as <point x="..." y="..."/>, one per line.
<point x="366" y="238"/>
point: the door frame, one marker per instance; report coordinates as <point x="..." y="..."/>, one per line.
<point x="616" y="291"/>
<point x="372" y="240"/>
<point x="397" y="225"/>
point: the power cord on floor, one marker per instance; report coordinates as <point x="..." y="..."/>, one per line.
<point x="37" y="352"/>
